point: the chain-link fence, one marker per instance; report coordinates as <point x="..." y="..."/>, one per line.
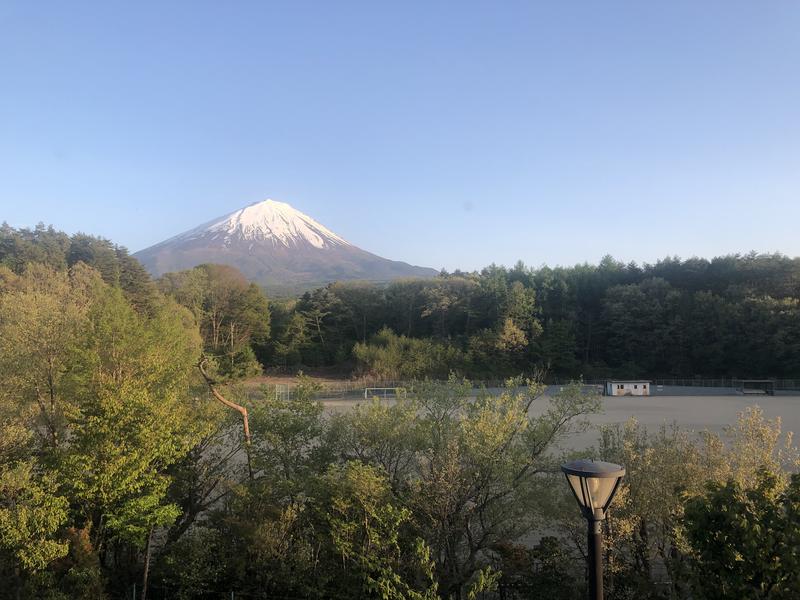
<point x="357" y="390"/>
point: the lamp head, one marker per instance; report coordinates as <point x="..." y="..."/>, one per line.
<point x="594" y="484"/>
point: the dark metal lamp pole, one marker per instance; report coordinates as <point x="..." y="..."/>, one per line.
<point x="594" y="485"/>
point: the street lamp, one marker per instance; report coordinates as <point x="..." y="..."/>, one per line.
<point x="594" y="484"/>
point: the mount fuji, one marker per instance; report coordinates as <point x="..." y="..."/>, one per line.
<point x="277" y="246"/>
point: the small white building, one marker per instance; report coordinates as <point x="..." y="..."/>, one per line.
<point x="637" y="387"/>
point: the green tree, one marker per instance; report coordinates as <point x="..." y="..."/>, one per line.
<point x="391" y="357"/>
<point x="544" y="570"/>
<point x="105" y="388"/>
<point x="664" y="469"/>
<point x="470" y="469"/>
<point x="365" y="527"/>
<point x="744" y="541"/>
<point x="288" y="435"/>
<point x="30" y="512"/>
<point x="42" y="317"/>
<point x="233" y="315"/>
<point x="558" y="345"/>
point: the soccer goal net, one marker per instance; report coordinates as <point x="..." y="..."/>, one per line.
<point x="385" y="392"/>
<point x="756" y="386"/>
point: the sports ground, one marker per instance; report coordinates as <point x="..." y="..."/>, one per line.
<point x="695" y="409"/>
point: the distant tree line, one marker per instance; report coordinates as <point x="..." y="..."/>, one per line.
<point x="47" y="246"/>
<point x="732" y="316"/>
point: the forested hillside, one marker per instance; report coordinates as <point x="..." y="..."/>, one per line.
<point x="732" y="316"/>
<point x="59" y="251"/>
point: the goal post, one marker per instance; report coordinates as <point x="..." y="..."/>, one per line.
<point x="384" y="392"/>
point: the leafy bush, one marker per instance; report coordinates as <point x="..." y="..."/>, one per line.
<point x="392" y="356"/>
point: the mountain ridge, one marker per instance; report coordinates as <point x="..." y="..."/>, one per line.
<point x="275" y="245"/>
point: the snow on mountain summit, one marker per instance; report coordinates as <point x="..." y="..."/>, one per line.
<point x="277" y="246"/>
<point x="273" y="221"/>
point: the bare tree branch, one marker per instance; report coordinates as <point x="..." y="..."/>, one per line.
<point x="237" y="407"/>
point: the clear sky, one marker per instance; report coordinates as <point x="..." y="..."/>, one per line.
<point x="446" y="134"/>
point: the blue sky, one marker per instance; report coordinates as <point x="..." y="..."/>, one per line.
<point x="447" y="134"/>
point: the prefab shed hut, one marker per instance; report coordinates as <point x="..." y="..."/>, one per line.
<point x="627" y="388"/>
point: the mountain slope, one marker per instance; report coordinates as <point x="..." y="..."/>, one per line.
<point x="277" y="246"/>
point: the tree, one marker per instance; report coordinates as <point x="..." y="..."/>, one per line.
<point x="447" y="304"/>
<point x="42" y="316"/>
<point x="666" y="469"/>
<point x="98" y="253"/>
<point x="233" y="315"/>
<point x="469" y="469"/>
<point x="30" y="512"/>
<point x="544" y="570"/>
<point x="361" y="302"/>
<point x="290" y="342"/>
<point x="132" y="421"/>
<point x="645" y="523"/>
<point x="558" y="345"/>
<point x="107" y="388"/>
<point x="385" y="435"/>
<point x="322" y="312"/>
<point x="744" y="540"/>
<point x="365" y="528"/>
<point x="288" y="436"/>
<point x="391" y="357"/>
<point x="43" y="245"/>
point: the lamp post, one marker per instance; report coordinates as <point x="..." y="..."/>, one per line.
<point x="594" y="484"/>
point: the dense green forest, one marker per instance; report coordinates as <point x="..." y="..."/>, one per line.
<point x="126" y="470"/>
<point x="733" y="316"/>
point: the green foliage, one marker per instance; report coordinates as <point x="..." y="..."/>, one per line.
<point x="667" y="469"/>
<point x="468" y="468"/>
<point x="558" y="346"/>
<point x="240" y="364"/>
<point x="287" y="435"/>
<point x="291" y="335"/>
<point x="389" y="356"/>
<point x="192" y="566"/>
<point x="42" y="316"/>
<point x="98" y="393"/>
<point x="130" y="418"/>
<point x="365" y="531"/>
<point x="744" y="541"/>
<point x="482" y="582"/>
<point x="733" y="316"/>
<point x="42" y="245"/>
<point x="387" y="435"/>
<point x="30" y="516"/>
<point x="548" y="569"/>
<point x="233" y="315"/>
<point x="20" y="248"/>
<point x="106" y="436"/>
<point x="79" y="575"/>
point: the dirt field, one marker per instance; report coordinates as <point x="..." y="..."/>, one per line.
<point x="693" y="408"/>
<point x="690" y="412"/>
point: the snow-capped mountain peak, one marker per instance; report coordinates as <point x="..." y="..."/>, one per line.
<point x="272" y="221"/>
<point x="275" y="245"/>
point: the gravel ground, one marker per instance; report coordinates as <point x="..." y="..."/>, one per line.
<point x="693" y="412"/>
